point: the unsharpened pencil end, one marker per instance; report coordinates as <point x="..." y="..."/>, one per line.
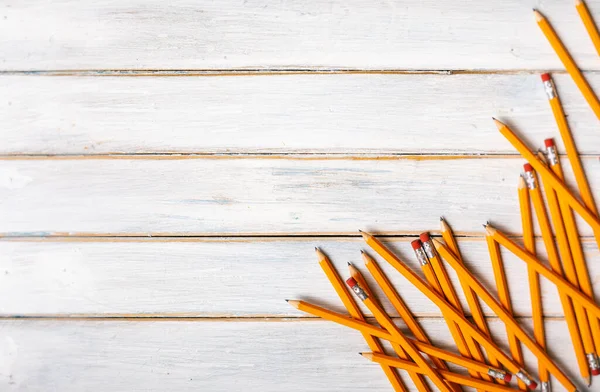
<point x="538" y="15"/>
<point x="294" y="303"/>
<point x="499" y="124"/>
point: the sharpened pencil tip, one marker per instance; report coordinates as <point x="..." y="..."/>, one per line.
<point x="538" y="15"/>
<point x="349" y="264"/>
<point x="293" y="302"/>
<point x="287" y="300"/>
<point x="499" y="124"/>
<point x="441" y="218"/>
<point x="362" y="252"/>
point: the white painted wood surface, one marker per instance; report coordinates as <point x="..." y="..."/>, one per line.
<point x="259" y="196"/>
<point x="245" y="277"/>
<point x="183" y="34"/>
<point x="205" y="356"/>
<point x="327" y="130"/>
<point x="284" y="113"/>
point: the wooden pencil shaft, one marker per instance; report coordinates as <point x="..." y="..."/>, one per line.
<point x="398" y="304"/>
<point x="569" y="64"/>
<point x="444" y="306"/>
<point x="408" y="347"/>
<point x="355" y="312"/>
<point x="482" y="292"/>
<point x="589" y="24"/>
<point x="472" y="301"/>
<point x="362" y="326"/>
<point x="572" y="154"/>
<point x="554" y="181"/>
<point x="552" y="276"/>
<point x="537" y="313"/>
<point x="439" y="281"/>
<point x="504" y="295"/>
<point x="448" y="375"/>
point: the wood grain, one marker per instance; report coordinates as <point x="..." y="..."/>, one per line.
<point x="270" y="34"/>
<point x="205" y="356"/>
<point x="386" y="114"/>
<point x="258" y="196"/>
<point x="245" y="277"/>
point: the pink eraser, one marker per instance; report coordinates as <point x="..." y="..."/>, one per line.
<point x="351" y="282"/>
<point x="595" y="372"/>
<point x="549" y="142"/>
<point x="528" y="167"/>
<point x="533" y="385"/>
<point x="545" y="77"/>
<point x="424" y="237"/>
<point x="416" y="244"/>
<point x="507" y="377"/>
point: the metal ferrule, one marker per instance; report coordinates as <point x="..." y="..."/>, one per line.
<point x="429" y="249"/>
<point x="545" y="386"/>
<point x="593" y="362"/>
<point x="549" y="88"/>
<point x="360" y="292"/>
<point x="421" y="256"/>
<point x="530" y="180"/>
<point x="523" y="376"/>
<point x="499" y="374"/>
<point x="552" y="155"/>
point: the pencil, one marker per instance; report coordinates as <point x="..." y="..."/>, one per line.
<point x="379" y="332"/>
<point x="579" y="331"/>
<point x="356" y="313"/>
<point x="504" y="296"/>
<point x="575" y="266"/>
<point x="472" y="301"/>
<point x="561" y="189"/>
<point x="395" y="299"/>
<point x="589" y="24"/>
<point x="417" y="378"/>
<point x="569" y="143"/>
<point x="450" y="376"/>
<point x="482" y="292"/>
<point x="444" y="306"/>
<point x="410" y="349"/>
<point x="568" y="62"/>
<point x="559" y="281"/>
<point x="466" y="346"/>
<point x="537" y="313"/>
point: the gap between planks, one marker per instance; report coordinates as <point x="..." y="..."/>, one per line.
<point x="276" y="71"/>
<point x="217" y="318"/>
<point x="304" y="156"/>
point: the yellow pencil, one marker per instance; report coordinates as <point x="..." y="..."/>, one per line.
<point x="394" y="298"/>
<point x="472" y="301"/>
<point x="444" y="306"/>
<point x="466" y="346"/>
<point x="504" y="296"/>
<point x="569" y="143"/>
<point x="589" y="24"/>
<point x="431" y="351"/>
<point x="575" y="267"/>
<point x="538" y="351"/>
<point x="559" y="187"/>
<point x="569" y="63"/>
<point x="410" y="349"/>
<point x="450" y="376"/>
<point x="356" y="313"/>
<point x="537" y="313"/>
<point x="563" y="285"/>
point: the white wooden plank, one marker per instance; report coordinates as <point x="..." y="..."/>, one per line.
<point x="266" y="33"/>
<point x="258" y="196"/>
<point x="245" y="277"/>
<point x="286" y="113"/>
<point x="205" y="356"/>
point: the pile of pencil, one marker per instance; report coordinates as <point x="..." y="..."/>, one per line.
<point x="489" y="368"/>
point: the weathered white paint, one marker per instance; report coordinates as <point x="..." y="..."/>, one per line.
<point x="284" y="113"/>
<point x="361" y="34"/>
<point x="265" y="196"/>
<point x="244" y="277"/>
<point x="221" y="356"/>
